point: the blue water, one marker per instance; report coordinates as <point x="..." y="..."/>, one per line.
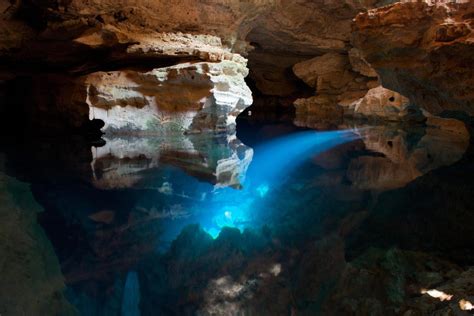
<point x="271" y="167"/>
<point x="153" y="226"/>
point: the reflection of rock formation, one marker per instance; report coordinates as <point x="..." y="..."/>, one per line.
<point x="401" y="156"/>
<point x="127" y="162"/>
<point x="31" y="282"/>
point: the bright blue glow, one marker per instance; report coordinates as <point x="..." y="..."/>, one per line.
<point x="272" y="164"/>
<point x="213" y="232"/>
<point x="131" y="296"/>
<point x="263" y="190"/>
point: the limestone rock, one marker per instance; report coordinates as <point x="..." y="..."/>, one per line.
<point x="423" y="51"/>
<point x="187" y="97"/>
<point x="334" y="80"/>
<point x="360" y="65"/>
<point x="172" y="99"/>
<point x="449" y="124"/>
<point x="326" y="73"/>
<point x="385" y="104"/>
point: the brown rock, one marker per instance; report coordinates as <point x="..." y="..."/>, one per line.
<point x="382" y="103"/>
<point x="422" y="51"/>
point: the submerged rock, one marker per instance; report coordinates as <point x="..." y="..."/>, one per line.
<point x="31" y="282"/>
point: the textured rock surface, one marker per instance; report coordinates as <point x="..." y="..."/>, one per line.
<point x="31" y="282"/>
<point x="337" y="84"/>
<point x="422" y="51"/>
<point x="182" y="98"/>
<point x="80" y="36"/>
<point x="386" y="104"/>
<point x="187" y="97"/>
<point x="296" y="31"/>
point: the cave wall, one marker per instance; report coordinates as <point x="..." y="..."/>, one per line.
<point x="424" y="51"/>
<point x="310" y="52"/>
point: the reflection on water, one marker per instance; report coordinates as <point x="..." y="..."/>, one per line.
<point x="133" y="162"/>
<point x="284" y="225"/>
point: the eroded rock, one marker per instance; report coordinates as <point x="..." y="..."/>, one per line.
<point x="169" y="100"/>
<point x="386" y="104"/>
<point x="423" y="51"/>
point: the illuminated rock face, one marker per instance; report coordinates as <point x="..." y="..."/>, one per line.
<point x="381" y="103"/>
<point x="192" y="97"/>
<point x="184" y="98"/>
<point x="422" y="51"/>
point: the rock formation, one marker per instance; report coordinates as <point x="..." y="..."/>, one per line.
<point x="192" y="97"/>
<point x="423" y="51"/>
<point x="381" y="103"/>
<point x="30" y="277"/>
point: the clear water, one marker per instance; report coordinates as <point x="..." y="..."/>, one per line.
<point x="121" y="217"/>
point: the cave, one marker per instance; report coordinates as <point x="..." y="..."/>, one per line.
<point x="224" y="157"/>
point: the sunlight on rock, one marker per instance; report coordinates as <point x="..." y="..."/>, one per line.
<point x="437" y="294"/>
<point x="222" y="297"/>
<point x="465" y="305"/>
<point x="276" y="269"/>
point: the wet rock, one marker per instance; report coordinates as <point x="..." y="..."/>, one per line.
<point x="392" y="282"/>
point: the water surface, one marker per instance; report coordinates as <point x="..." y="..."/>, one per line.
<point x="270" y="223"/>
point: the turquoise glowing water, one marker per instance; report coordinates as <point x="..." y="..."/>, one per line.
<point x="272" y="166"/>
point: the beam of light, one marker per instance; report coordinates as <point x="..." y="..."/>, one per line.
<point x="272" y="165"/>
<point x="437" y="294"/>
<point x="465" y="305"/>
<point x="131" y="296"/>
